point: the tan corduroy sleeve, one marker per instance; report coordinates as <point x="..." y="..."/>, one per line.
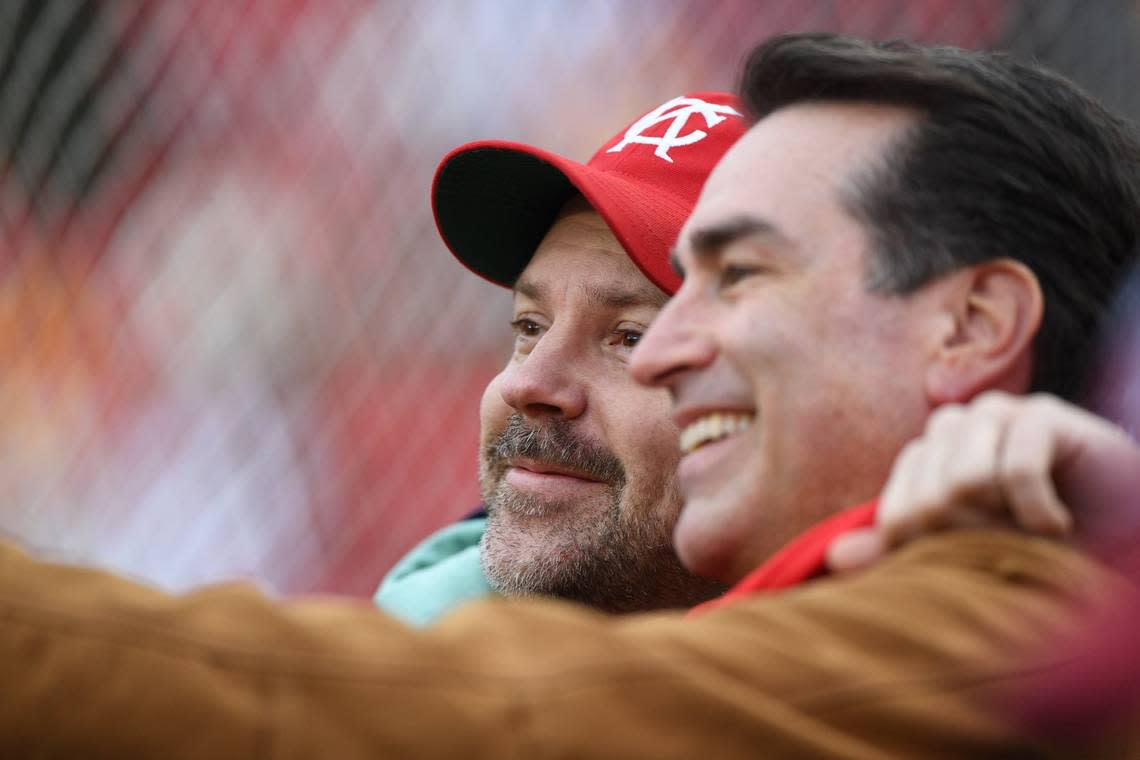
<point x="905" y="660"/>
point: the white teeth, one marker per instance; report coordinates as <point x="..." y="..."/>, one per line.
<point x="713" y="427"/>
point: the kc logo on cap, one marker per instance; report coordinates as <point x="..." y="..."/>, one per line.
<point x="677" y="111"/>
<point x="494" y="201"/>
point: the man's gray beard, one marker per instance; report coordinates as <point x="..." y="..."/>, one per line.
<point x="604" y="561"/>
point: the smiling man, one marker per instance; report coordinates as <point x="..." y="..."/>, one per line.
<point x="779" y="327"/>
<point x="902" y="228"/>
<point x="776" y="330"/>
<point x="577" y="459"/>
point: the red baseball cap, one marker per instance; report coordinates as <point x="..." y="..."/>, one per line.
<point x="494" y="201"/>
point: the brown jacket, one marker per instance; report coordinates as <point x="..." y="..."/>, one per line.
<point x="918" y="657"/>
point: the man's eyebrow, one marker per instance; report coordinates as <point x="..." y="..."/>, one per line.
<point x="602" y="296"/>
<point x="710" y="240"/>
<point x="616" y="296"/>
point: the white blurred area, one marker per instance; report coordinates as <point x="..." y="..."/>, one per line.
<point x="233" y="342"/>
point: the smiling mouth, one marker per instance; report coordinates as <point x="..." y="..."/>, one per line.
<point x="713" y="427"/>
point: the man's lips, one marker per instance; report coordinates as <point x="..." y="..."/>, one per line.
<point x="549" y="479"/>
<point x="536" y="467"/>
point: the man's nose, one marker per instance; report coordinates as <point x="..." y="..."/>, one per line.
<point x="549" y="381"/>
<point x="677" y="341"/>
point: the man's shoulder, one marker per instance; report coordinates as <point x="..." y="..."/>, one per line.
<point x="986" y="574"/>
<point x="968" y="604"/>
<point x="1009" y="559"/>
<point x="939" y="640"/>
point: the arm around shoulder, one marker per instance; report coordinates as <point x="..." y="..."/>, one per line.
<point x="899" y="659"/>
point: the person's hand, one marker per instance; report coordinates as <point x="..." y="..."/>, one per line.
<point x="1025" y="460"/>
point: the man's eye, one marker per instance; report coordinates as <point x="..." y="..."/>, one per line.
<point x="731" y="274"/>
<point x="526" y="328"/>
<point x="626" y="338"/>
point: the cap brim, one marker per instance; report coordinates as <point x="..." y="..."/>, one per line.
<point x="494" y="201"/>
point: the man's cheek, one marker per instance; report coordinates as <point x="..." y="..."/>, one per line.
<point x="493" y="411"/>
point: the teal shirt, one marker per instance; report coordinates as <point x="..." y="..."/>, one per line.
<point x="441" y="573"/>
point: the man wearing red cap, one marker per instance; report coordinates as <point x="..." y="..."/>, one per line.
<point x="577" y="459"/>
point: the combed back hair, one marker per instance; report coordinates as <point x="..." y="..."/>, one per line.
<point x="1006" y="160"/>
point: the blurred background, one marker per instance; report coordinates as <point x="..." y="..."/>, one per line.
<point x="232" y="342"/>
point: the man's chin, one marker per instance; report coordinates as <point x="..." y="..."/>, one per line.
<point x="705" y="540"/>
<point x="541" y="530"/>
<point x="523" y="554"/>
<point x="584" y="552"/>
<point x="604" y="570"/>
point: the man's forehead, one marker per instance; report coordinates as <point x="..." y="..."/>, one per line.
<point x="792" y="160"/>
<point x="826" y="138"/>
<point x="722" y="203"/>
<point x="581" y="256"/>
<point x="577" y="225"/>
<point x="591" y="290"/>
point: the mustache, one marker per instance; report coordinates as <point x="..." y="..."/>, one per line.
<point x="553" y="442"/>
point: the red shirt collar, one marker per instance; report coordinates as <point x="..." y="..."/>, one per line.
<point x="799" y="560"/>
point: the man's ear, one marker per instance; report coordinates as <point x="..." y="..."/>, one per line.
<point x="993" y="311"/>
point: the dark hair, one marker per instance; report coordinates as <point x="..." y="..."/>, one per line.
<point x="1010" y="160"/>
